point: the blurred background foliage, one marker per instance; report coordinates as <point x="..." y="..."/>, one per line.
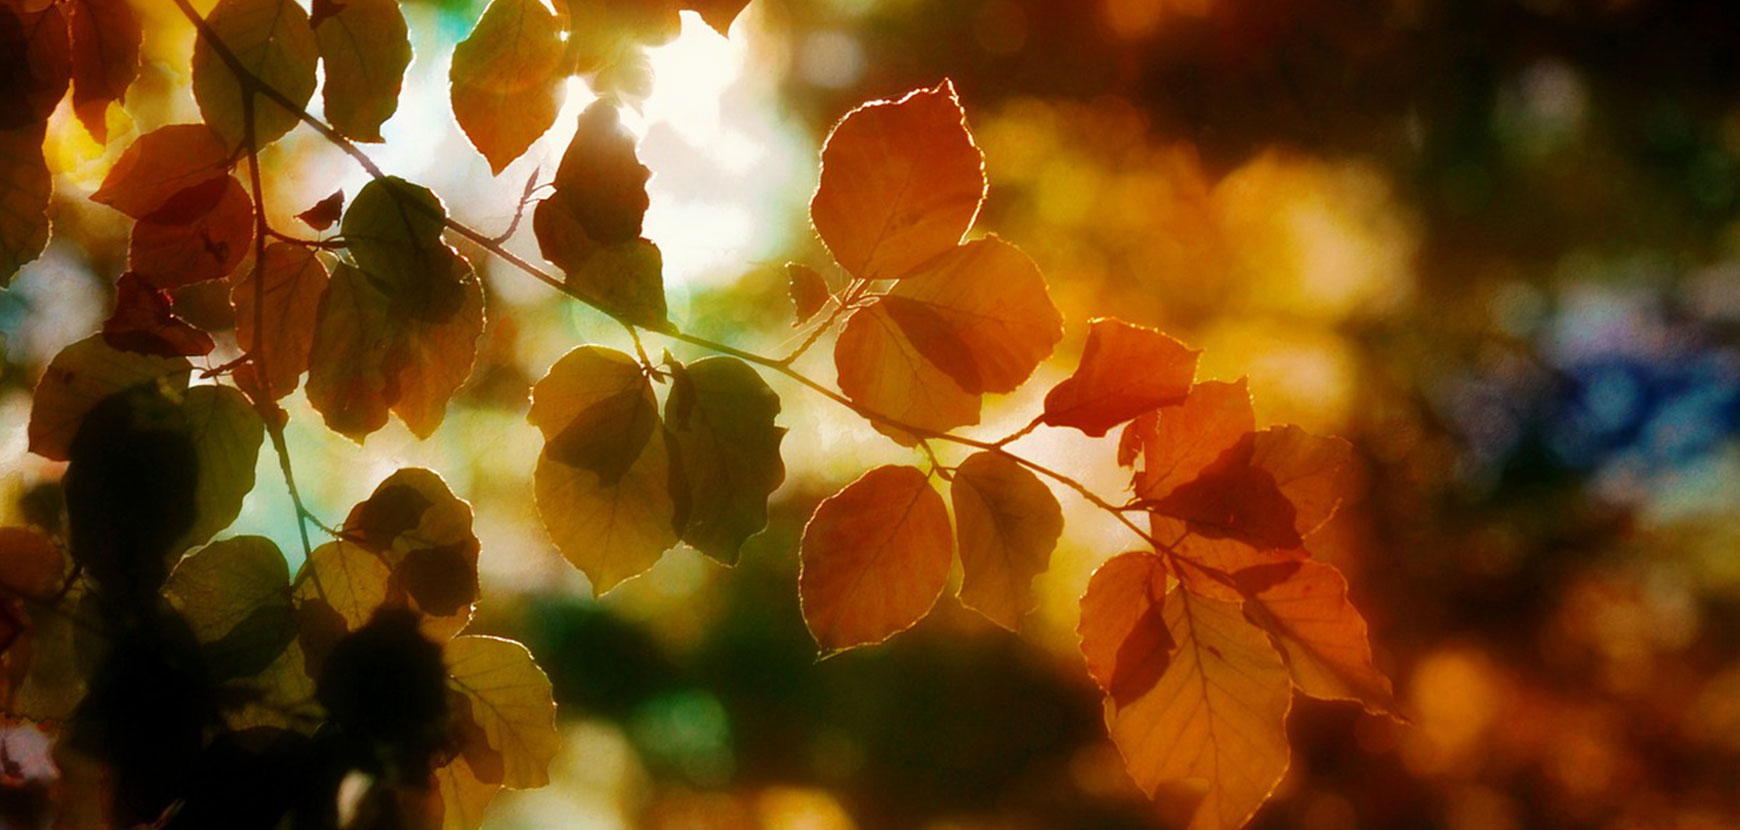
<point x="1492" y="242"/>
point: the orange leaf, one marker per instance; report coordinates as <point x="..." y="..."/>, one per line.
<point x="1125" y="370"/>
<point x="105" y="58"/>
<point x="1304" y="607"/>
<point x="293" y="279"/>
<point x="901" y="183"/>
<point x="980" y="313"/>
<point x="881" y="369"/>
<point x="874" y="558"/>
<point x="144" y="322"/>
<point x="506" y="79"/>
<point x="1215" y="710"/>
<point x="200" y="234"/>
<point x="1189" y="436"/>
<point x="160" y="164"/>
<point x="717" y="13"/>
<point x="1310" y="471"/>
<point x="809" y="292"/>
<point x="1007" y="522"/>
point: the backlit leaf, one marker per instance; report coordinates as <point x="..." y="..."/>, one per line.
<point x="199" y="234"/>
<point x="365" y="49"/>
<point x="901" y="183"/>
<point x="1216" y="709"/>
<point x="596" y="410"/>
<point x="218" y="585"/>
<point x="325" y="212"/>
<point x="717" y="13"/>
<point x="423" y="532"/>
<point x="507" y="79"/>
<point x="227" y="433"/>
<point x="720" y="414"/>
<point x="281" y="329"/>
<point x="30" y="564"/>
<point x="271" y="39"/>
<point x="105" y="58"/>
<point x="25" y="189"/>
<point x="35" y="62"/>
<point x="144" y="321"/>
<point x="1125" y="370"/>
<point x="347" y="578"/>
<point x="1269" y="491"/>
<point x="1007" y="522"/>
<point x="463" y="797"/>
<point x="809" y="292"/>
<point x="1189" y="436"/>
<point x="1304" y="608"/>
<point x="160" y="164"/>
<point x="980" y="313"/>
<point x="511" y="699"/>
<point x="1310" y="471"/>
<point x="875" y="556"/>
<point x="83" y="374"/>
<point x="879" y="368"/>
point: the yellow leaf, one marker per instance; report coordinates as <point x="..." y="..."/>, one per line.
<point x="511" y="700"/>
<point x="506" y="79"/>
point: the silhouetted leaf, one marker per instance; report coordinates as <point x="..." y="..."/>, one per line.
<point x="511" y="700"/>
<point x="25" y="188"/>
<point x="717" y="13"/>
<point x="720" y="414"/>
<point x="292" y="279"/>
<point x="1125" y="370"/>
<point x="324" y="212"/>
<point x="226" y="432"/>
<point x="875" y="556"/>
<point x="365" y="49"/>
<point x="30" y="564"/>
<point x="83" y="374"/>
<point x="105" y="58"/>
<point x="271" y="39"/>
<point x="423" y="532"/>
<point x="809" y="292"/>
<point x="1007" y="522"/>
<point x="35" y="62"/>
<point x="160" y="164"/>
<point x="384" y="685"/>
<point x="144" y="321"/>
<point x="199" y="234"/>
<point x="506" y="79"/>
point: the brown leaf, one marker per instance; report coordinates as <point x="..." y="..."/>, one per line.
<point x="25" y="189"/>
<point x="272" y="40"/>
<point x="423" y="532"/>
<point x="105" y="58"/>
<point x="199" y="234"/>
<point x="160" y="164"/>
<point x="83" y="374"/>
<point x="874" y="558"/>
<point x="809" y="292"/>
<point x="901" y="183"/>
<point x="282" y="327"/>
<point x="35" y="63"/>
<point x="1007" y="522"/>
<point x="144" y="321"/>
<point x="1124" y="637"/>
<point x="324" y="212"/>
<point x="1125" y="370"/>
<point x="507" y="78"/>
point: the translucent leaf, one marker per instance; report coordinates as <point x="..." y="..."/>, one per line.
<point x="281" y="328"/>
<point x="346" y="578"/>
<point x="199" y="234"/>
<point x="1125" y="370"/>
<point x="160" y="164"/>
<point x="901" y="183"/>
<point x="325" y="212"/>
<point x="609" y="532"/>
<point x="1124" y="637"/>
<point x="596" y="410"/>
<point x="512" y="701"/>
<point x="463" y="797"/>
<point x="875" y="556"/>
<point x="271" y="40"/>
<point x="144" y="321"/>
<point x="423" y="532"/>
<point x="1007" y="522"/>
<point x="227" y="433"/>
<point x="365" y="48"/>
<point x="507" y="79"/>
<point x="25" y="188"/>
<point x="1189" y="436"/>
<point x="219" y="585"/>
<point x="81" y="375"/>
<point x="105" y="58"/>
<point x="720" y="414"/>
<point x="1304" y="608"/>
<point x="880" y="368"/>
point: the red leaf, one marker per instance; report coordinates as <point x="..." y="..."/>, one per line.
<point x="143" y="322"/>
<point x="160" y="164"/>
<point x="105" y="58"/>
<point x="200" y="234"/>
<point x="1125" y="370"/>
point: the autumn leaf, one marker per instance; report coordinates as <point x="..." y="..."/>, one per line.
<point x="25" y="189"/>
<point x="281" y="328"/>
<point x="808" y="291"/>
<point x="226" y="432"/>
<point x="365" y="48"/>
<point x="345" y="578"/>
<point x="144" y="321"/>
<point x="512" y="701"/>
<point x="199" y="234"/>
<point x="507" y="78"/>
<point x="160" y="164"/>
<point x="325" y="212"/>
<point x="879" y="368"/>
<point x="1304" y="608"/>
<point x="30" y="564"/>
<point x="271" y="39"/>
<point x="1007" y="522"/>
<point x="901" y="183"/>
<point x="423" y="532"/>
<point x="83" y="374"/>
<point x="980" y="313"/>
<point x="235" y="595"/>
<point x="1125" y="370"/>
<point x="105" y="38"/>
<point x="462" y="795"/>
<point x="720" y="416"/>
<point x="35" y="62"/>
<point x="1187" y="437"/>
<point x="393" y="231"/>
<point x="611" y="526"/>
<point x="875" y="556"/>
<point x="590" y="226"/>
<point x="1207" y="696"/>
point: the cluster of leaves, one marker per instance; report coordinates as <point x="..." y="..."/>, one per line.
<point x="356" y="666"/>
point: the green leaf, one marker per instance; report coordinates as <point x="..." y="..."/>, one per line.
<point x="83" y="374"/>
<point x="227" y="433"/>
<point x="507" y="79"/>
<point x="512" y="701"/>
<point x="720" y="414"/>
<point x="272" y="41"/>
<point x="596" y="410"/>
<point x="216" y="587"/>
<point x="365" y="47"/>
<point x="25" y="188"/>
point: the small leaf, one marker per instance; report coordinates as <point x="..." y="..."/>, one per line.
<point x="365" y="48"/>
<point x="880" y="369"/>
<point x="720" y="414"/>
<point x="272" y="40"/>
<point x="1007" y="522"/>
<point x="25" y="189"/>
<point x="809" y="292"/>
<point x="144" y="321"/>
<point x="901" y="183"/>
<point x="507" y="79"/>
<point x="324" y="212"/>
<point x="160" y="164"/>
<point x="200" y="234"/>
<point x="980" y="313"/>
<point x="875" y="556"/>
<point x="83" y="374"/>
<point x="1304" y="608"/>
<point x="511" y="699"/>
<point x="717" y="13"/>
<point x="281" y="329"/>
<point x="105" y="58"/>
<point x="1125" y="370"/>
<point x="596" y="410"/>
<point x="1188" y="437"/>
<point x="227" y="434"/>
